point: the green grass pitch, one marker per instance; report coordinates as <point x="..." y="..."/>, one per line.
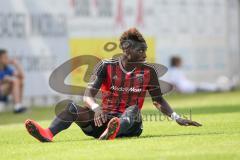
<point x="218" y="138"/>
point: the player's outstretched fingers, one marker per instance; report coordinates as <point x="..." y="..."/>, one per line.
<point x="183" y="122"/>
<point x="196" y="124"/>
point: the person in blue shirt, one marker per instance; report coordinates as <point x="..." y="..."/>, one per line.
<point x="11" y="81"/>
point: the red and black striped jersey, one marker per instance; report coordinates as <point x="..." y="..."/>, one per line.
<point x="121" y="88"/>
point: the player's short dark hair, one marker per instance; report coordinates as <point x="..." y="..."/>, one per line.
<point x="2" y="51"/>
<point x="132" y="34"/>
<point x="175" y="61"/>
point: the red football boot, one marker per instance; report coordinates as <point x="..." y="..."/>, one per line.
<point x="41" y="134"/>
<point x="112" y="129"/>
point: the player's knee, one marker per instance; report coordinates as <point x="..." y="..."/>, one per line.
<point x="133" y="109"/>
<point x="15" y="81"/>
<point x="72" y="108"/>
<point x="134" y="113"/>
<point x="125" y="121"/>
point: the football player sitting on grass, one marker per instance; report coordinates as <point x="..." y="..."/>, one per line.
<point x="123" y="82"/>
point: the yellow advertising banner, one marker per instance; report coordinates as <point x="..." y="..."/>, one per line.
<point x="103" y="48"/>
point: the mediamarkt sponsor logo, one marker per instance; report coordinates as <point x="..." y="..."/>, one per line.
<point x="126" y="89"/>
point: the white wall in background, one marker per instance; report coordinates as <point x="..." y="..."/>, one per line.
<point x="205" y="33"/>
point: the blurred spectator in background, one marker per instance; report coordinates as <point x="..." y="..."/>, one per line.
<point x="11" y="81"/>
<point x="177" y="77"/>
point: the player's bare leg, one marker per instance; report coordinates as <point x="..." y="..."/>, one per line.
<point x="13" y="86"/>
<point x="16" y="86"/>
<point x="21" y="83"/>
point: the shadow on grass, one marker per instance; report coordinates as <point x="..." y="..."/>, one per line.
<point x="181" y="134"/>
<point x="143" y="137"/>
<point x="75" y="140"/>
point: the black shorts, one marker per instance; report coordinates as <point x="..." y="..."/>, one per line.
<point x="94" y="131"/>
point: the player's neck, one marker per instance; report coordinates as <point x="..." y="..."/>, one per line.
<point x="127" y="65"/>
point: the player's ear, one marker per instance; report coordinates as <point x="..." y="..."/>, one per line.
<point x="126" y="44"/>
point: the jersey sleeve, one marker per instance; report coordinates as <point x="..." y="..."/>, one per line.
<point x="154" y="86"/>
<point x="98" y="76"/>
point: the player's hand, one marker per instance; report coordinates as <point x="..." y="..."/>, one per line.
<point x="100" y="118"/>
<point x="186" y="122"/>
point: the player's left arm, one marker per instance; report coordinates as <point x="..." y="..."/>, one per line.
<point x="162" y="105"/>
<point x="96" y="80"/>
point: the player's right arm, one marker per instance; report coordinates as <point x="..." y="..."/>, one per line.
<point x="97" y="78"/>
